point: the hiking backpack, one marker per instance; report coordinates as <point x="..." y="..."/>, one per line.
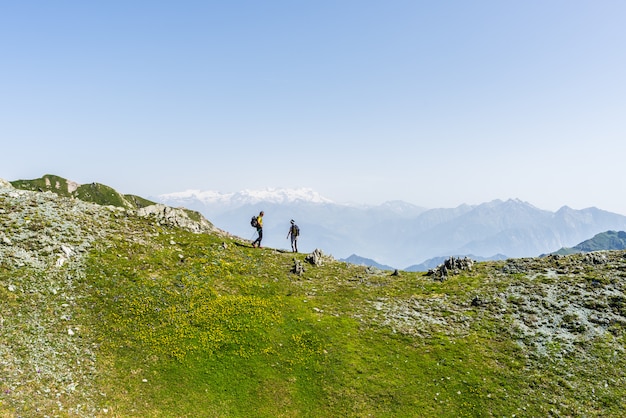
<point x="254" y="222"/>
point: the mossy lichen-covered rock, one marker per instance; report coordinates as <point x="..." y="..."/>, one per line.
<point x="178" y="217"/>
<point x="5" y="184"/>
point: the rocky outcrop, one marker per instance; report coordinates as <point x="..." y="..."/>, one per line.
<point x="177" y="217"/>
<point x="317" y="257"/>
<point x="5" y="184"/>
<point x="453" y="265"/>
<point x="298" y="267"/>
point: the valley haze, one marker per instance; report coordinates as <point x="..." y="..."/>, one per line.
<point x="396" y="233"/>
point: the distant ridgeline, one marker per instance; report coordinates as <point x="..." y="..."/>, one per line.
<point x="101" y="194"/>
<point x="609" y="240"/>
<point x="432" y="234"/>
<point x="93" y="192"/>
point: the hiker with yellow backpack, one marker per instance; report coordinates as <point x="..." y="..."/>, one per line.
<point x="257" y="222"/>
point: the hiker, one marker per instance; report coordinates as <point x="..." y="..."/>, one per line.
<point x="259" y="229"/>
<point x="294" y="232"/>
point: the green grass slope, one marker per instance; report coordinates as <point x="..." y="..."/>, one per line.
<point x="151" y="321"/>
<point x="48" y="182"/>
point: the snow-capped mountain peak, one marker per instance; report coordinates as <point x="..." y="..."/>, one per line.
<point x="271" y="195"/>
<point x="275" y="195"/>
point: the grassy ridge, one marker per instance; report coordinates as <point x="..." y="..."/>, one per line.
<point x="613" y="240"/>
<point x="195" y="329"/>
<point x="93" y="192"/>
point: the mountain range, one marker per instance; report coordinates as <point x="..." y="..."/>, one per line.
<point x="393" y="235"/>
<point x="398" y="234"/>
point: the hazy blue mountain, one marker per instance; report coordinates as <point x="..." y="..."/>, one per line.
<point x="397" y="233"/>
<point x="362" y="261"/>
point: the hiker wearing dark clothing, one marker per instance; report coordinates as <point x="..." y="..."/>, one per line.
<point x="259" y="230"/>
<point x="294" y="233"/>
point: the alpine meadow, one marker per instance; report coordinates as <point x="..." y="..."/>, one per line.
<point x="114" y="306"/>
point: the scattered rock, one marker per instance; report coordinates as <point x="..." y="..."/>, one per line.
<point x="60" y="261"/>
<point x="68" y="251"/>
<point x="595" y="258"/>
<point x="6" y="240"/>
<point x="513" y="266"/>
<point x="372" y="270"/>
<point x="297" y="268"/>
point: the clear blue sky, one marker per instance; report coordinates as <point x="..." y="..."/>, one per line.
<point x="436" y="103"/>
